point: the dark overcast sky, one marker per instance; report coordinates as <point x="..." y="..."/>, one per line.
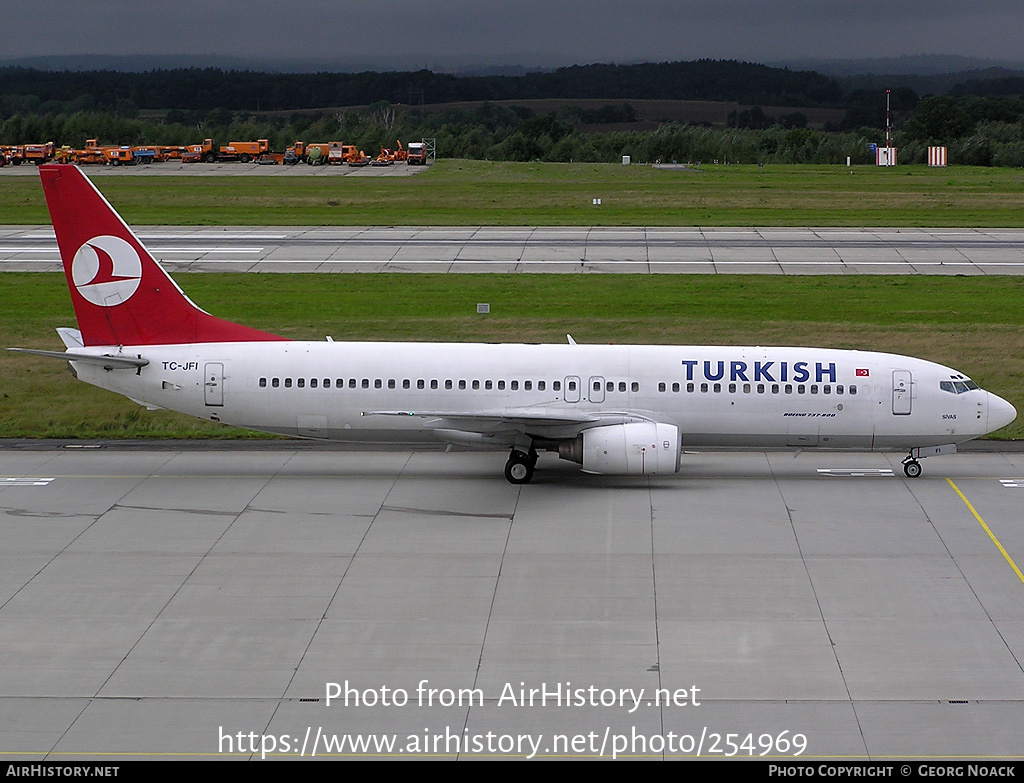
<point x="439" y="33"/>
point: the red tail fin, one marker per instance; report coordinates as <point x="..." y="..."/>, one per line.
<point x="122" y="296"/>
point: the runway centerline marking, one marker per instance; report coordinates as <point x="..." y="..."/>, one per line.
<point x="991" y="535"/>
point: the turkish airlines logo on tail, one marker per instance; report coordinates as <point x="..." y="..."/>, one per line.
<point x="106" y="271"/>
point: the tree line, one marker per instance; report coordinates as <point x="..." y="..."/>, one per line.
<point x="978" y="130"/>
<point x="205" y="89"/>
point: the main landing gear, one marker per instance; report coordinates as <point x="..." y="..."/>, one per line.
<point x="911" y="467"/>
<point x="520" y="465"/>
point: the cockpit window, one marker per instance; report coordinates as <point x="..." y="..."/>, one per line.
<point x="957" y="387"/>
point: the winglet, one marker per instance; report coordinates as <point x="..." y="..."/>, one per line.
<point x="121" y="294"/>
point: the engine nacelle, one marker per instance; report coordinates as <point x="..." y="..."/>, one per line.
<point x="643" y="447"/>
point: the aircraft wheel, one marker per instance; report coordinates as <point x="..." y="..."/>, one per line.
<point x="912" y="468"/>
<point x="518" y="469"/>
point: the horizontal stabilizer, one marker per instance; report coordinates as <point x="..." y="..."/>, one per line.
<point x="106" y="362"/>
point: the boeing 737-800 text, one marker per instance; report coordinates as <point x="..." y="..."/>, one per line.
<point x="614" y="409"/>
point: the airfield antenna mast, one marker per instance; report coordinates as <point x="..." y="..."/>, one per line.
<point x="888" y="122"/>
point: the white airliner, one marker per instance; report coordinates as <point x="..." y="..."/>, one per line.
<point x="614" y="409"/>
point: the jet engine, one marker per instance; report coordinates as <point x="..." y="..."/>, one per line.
<point x="642" y="447"/>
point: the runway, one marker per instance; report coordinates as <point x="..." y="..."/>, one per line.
<point x="782" y="251"/>
<point x="189" y="601"/>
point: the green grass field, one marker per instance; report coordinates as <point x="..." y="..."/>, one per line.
<point x="483" y="193"/>
<point x="975" y="324"/>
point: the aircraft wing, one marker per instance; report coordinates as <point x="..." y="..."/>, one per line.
<point x="513" y="420"/>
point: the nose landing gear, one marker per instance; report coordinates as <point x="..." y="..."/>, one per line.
<point x="911" y="467"/>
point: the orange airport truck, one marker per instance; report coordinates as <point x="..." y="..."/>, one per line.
<point x="417" y="155"/>
<point x="119" y="156"/>
<point x="92" y="152"/>
<point x="242" y="151"/>
<point x="30" y="153"/>
<point x="147" y="153"/>
<point x="315" y="154"/>
<point x="108" y="154"/>
<point x="344" y="153"/>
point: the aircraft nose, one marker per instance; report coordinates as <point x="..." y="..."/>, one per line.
<point x="1000" y="412"/>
